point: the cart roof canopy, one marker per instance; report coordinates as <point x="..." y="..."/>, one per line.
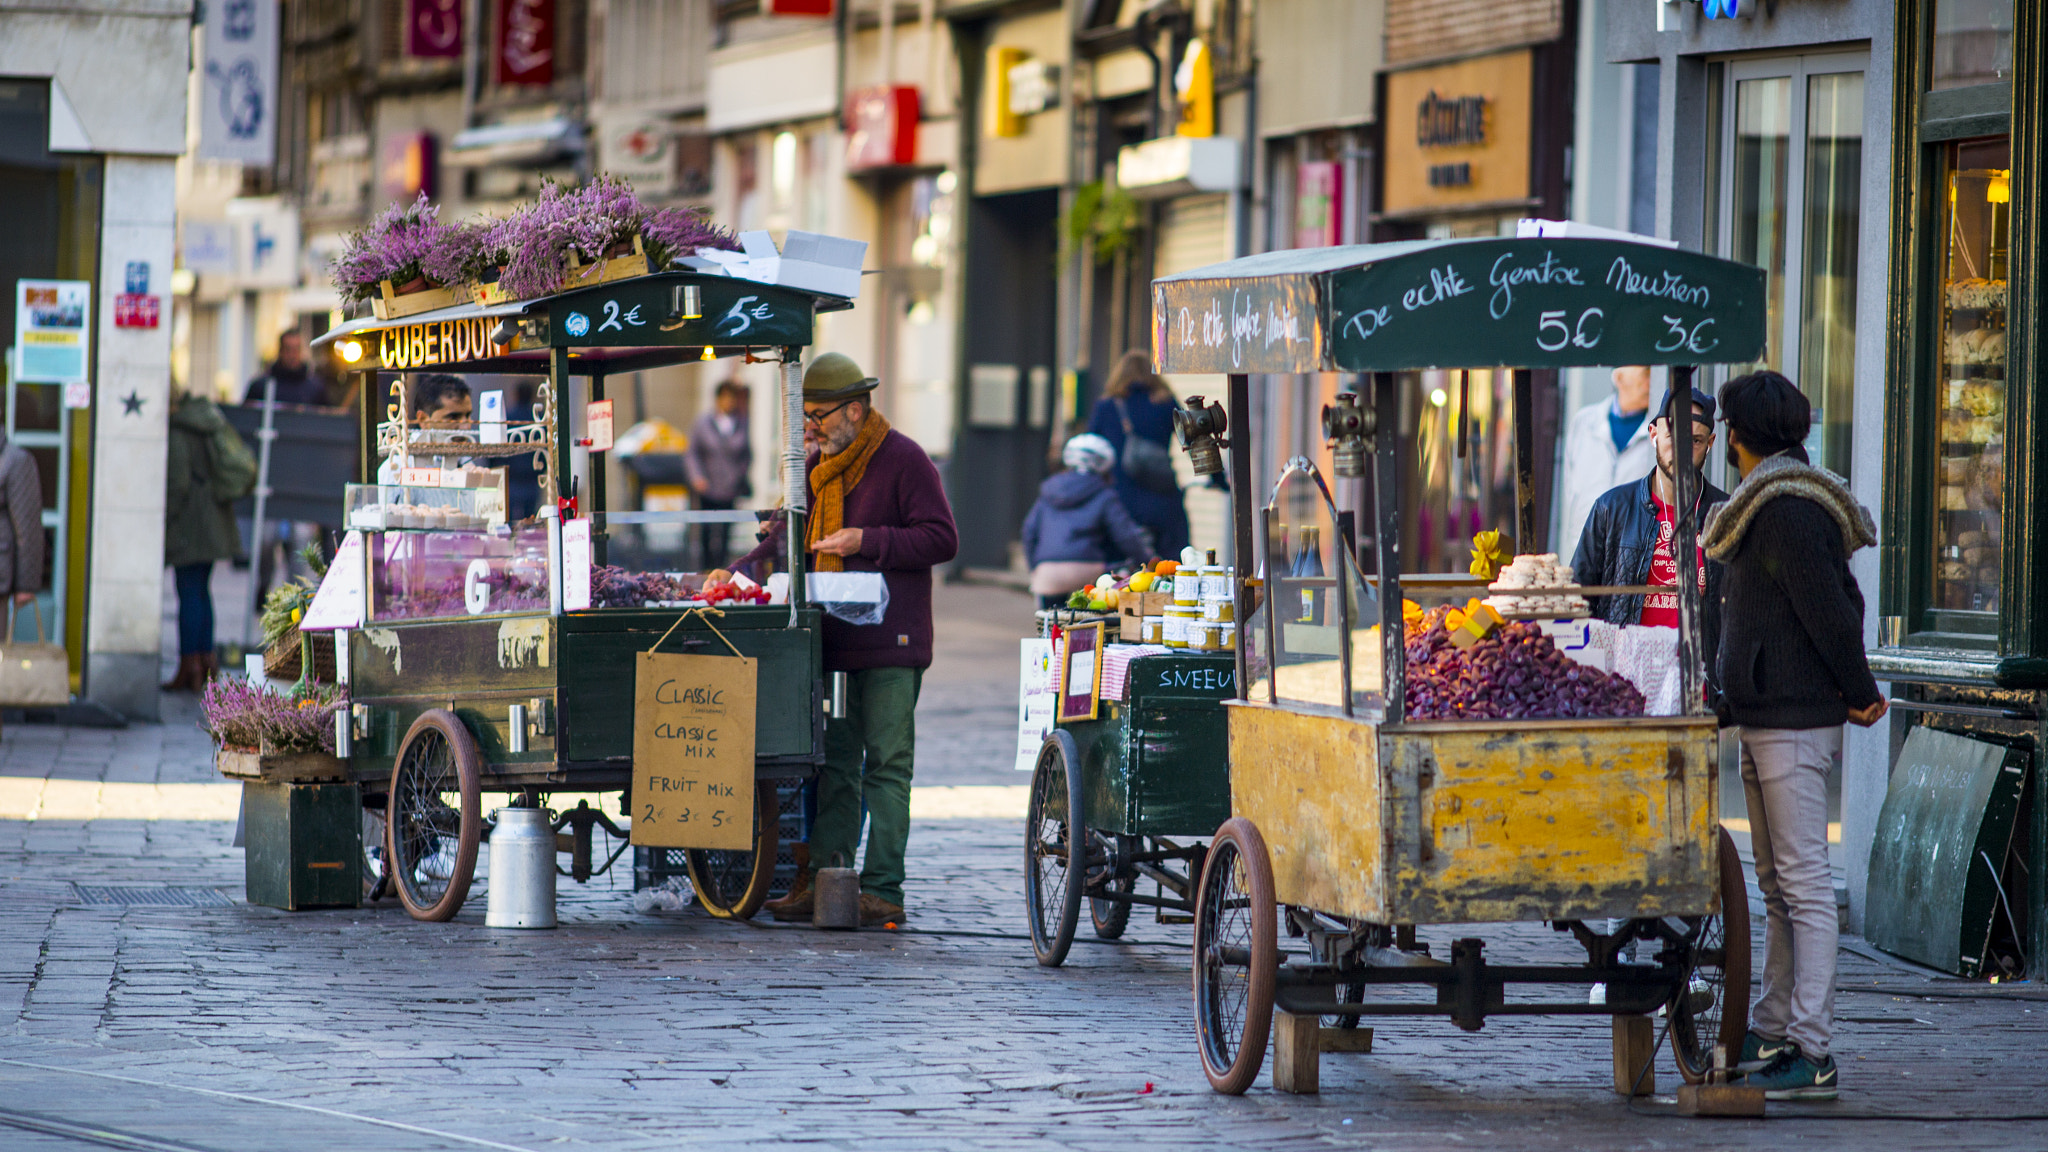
<point x="1538" y="302"/>
<point x="624" y="326"/>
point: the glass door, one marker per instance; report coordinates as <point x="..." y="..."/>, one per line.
<point x="1790" y="202"/>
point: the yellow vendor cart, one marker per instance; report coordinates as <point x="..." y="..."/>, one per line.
<point x="1354" y="822"/>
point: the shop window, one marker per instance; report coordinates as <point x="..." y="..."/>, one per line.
<point x="1972" y="43"/>
<point x="1788" y="165"/>
<point x="1970" y="347"/>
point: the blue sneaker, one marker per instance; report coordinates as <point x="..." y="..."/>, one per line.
<point x="1757" y="1052"/>
<point x="1794" y="1076"/>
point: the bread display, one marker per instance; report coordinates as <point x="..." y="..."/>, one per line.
<point x="1977" y="346"/>
<point x="1976" y="292"/>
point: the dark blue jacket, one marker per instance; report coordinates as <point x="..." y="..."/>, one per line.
<point x="1616" y="547"/>
<point x="1079" y="517"/>
<point x="1164" y="513"/>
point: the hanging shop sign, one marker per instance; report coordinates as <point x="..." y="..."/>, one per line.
<point x="238" y="95"/>
<point x="524" y="51"/>
<point x="1318" y="204"/>
<point x="438" y="342"/>
<point x="881" y="127"/>
<point x="1458" y="135"/>
<point x="433" y="28"/>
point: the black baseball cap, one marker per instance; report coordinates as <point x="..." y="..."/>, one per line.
<point x="1701" y="400"/>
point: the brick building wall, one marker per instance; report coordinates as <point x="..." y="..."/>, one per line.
<point x="1423" y="31"/>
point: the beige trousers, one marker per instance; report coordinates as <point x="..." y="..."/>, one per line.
<point x="1784" y="779"/>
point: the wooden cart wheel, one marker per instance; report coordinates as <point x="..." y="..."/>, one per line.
<point x="732" y="884"/>
<point x="1237" y="956"/>
<point x="1111" y="917"/>
<point x="429" y="844"/>
<point x="1054" y="849"/>
<point x="1713" y="1006"/>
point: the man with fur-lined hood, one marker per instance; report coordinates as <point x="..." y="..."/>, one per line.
<point x="1791" y="672"/>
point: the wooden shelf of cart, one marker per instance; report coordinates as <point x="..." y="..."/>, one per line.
<point x="1356" y="828"/>
<point x="472" y="672"/>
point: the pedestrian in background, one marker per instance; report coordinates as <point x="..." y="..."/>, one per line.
<point x="1079" y="526"/>
<point x="21" y="525"/>
<point x="716" y="463"/>
<point x="207" y="469"/>
<point x="296" y="381"/>
<point x="1792" y="670"/>
<point x="1135" y="415"/>
<point x="1606" y="444"/>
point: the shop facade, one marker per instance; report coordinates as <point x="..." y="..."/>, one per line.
<point x="1962" y="635"/>
<point x="1476" y="131"/>
<point x="87" y="176"/>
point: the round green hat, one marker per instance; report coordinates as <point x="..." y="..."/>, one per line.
<point x="834" y="376"/>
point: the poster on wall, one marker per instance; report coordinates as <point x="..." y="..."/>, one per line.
<point x="52" y="330"/>
<point x="238" y="97"/>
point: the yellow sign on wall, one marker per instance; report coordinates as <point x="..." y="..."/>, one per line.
<point x="1457" y="135"/>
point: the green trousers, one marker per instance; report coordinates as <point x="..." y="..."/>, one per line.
<point x="868" y="758"/>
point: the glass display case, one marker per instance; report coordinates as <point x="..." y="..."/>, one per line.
<point x="1968" y="523"/>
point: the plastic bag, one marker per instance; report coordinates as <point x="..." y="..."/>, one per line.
<point x="855" y="597"/>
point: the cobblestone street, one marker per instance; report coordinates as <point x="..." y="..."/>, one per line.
<point x="227" y="1027"/>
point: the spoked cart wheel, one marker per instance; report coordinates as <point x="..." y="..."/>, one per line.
<point x="1713" y="1005"/>
<point x="1055" y="849"/>
<point x="1111" y="917"/>
<point x="1237" y="956"/>
<point x="430" y="843"/>
<point x="732" y="884"/>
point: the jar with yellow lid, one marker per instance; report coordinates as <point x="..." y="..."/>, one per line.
<point x="1177" y="623"/>
<point x="1219" y="608"/>
<point x="1153" y="629"/>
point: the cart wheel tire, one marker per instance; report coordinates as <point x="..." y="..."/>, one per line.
<point x="430" y="847"/>
<point x="732" y="884"/>
<point x="1111" y="917"/>
<point x="1719" y="966"/>
<point x="1055" y="849"/>
<point x="1237" y="956"/>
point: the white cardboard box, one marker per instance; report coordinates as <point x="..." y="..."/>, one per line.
<point x="807" y="260"/>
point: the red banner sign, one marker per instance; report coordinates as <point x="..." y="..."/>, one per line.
<point x="524" y="46"/>
<point x="433" y="28"/>
<point x="135" y="310"/>
<point x="1319" y="204"/>
<point x="881" y="127"/>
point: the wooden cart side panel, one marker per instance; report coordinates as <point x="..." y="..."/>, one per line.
<point x="1311" y="783"/>
<point x="1560" y="823"/>
<point x="1105" y="768"/>
<point x="454" y="657"/>
<point x="597" y="692"/>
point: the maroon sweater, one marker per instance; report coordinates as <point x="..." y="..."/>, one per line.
<point x="906" y="529"/>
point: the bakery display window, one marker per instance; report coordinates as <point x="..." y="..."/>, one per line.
<point x="1969" y="523"/>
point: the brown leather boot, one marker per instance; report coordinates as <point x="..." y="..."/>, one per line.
<point x="875" y="910"/>
<point x="796" y="906"/>
<point x="188" y="675"/>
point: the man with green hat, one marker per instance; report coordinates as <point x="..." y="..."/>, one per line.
<point x="876" y="506"/>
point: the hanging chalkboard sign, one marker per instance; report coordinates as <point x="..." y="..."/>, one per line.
<point x="1539" y="302"/>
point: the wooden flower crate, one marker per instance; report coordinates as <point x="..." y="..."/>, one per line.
<point x="279" y="767"/>
<point x="282" y="659"/>
<point x="625" y="267"/>
<point x="390" y="304"/>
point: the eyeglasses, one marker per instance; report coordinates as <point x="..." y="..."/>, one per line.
<point x="819" y="418"/>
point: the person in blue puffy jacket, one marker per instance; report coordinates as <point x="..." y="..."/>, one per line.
<point x="1078" y="527"/>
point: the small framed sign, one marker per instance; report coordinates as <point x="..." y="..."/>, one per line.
<point x="1080" y="672"/>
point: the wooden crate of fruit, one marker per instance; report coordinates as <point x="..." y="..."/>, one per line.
<point x="1438" y="822"/>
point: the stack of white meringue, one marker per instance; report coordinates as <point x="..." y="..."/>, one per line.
<point x="1535" y="571"/>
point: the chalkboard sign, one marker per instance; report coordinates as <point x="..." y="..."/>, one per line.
<point x="1948" y="816"/>
<point x="630" y="313"/>
<point x="1521" y="303"/>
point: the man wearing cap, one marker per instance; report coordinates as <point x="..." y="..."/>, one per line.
<point x="1627" y="539"/>
<point x="876" y="506"/>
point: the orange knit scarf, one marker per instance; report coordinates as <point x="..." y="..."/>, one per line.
<point x="831" y="479"/>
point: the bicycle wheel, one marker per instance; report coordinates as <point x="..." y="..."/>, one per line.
<point x="1237" y="957"/>
<point x="431" y="845"/>
<point x="1712" y="1005"/>
<point x="732" y="883"/>
<point x="1054" y="850"/>
<point x="1111" y="917"/>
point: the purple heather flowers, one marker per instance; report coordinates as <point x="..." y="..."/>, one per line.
<point x="527" y="252"/>
<point x="241" y="715"/>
